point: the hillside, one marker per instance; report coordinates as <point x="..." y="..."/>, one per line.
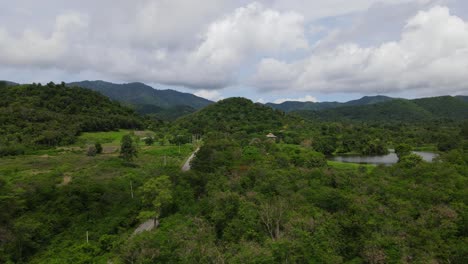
<point x="145" y="99"/>
<point x="401" y="110"/>
<point x="233" y="115"/>
<point x="462" y="97"/>
<point x="290" y="106"/>
<point x="7" y="83"/>
<point x="51" y="115"/>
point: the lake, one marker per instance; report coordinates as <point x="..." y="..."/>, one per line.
<point x="388" y="159"/>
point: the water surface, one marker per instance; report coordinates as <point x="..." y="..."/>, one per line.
<point x="388" y="159"/>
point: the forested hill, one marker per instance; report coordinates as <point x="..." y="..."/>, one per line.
<point x="50" y="115"/>
<point x="147" y="100"/>
<point x="401" y="110"/>
<point x="234" y="115"/>
<point x="7" y="83"/>
<point x="290" y="106"/>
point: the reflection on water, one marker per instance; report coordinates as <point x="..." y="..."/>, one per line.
<point x="388" y="159"/>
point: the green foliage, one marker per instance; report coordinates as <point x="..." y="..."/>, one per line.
<point x="410" y="160"/>
<point x="128" y="150"/>
<point x="52" y="115"/>
<point x="396" y="110"/>
<point x="149" y="140"/>
<point x="157" y="194"/>
<point x="98" y="147"/>
<point x="246" y="199"/>
<point x="233" y="115"/>
<point x="402" y="150"/>
<point x="48" y="202"/>
<point x="447" y="143"/>
<point x="160" y="104"/>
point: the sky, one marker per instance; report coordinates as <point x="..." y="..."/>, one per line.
<point x="267" y="51"/>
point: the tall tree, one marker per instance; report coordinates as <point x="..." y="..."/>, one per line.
<point x="128" y="150"/>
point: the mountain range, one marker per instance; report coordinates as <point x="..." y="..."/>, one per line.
<point x="165" y="104"/>
<point x="400" y="110"/>
<point x="171" y="104"/>
<point x="289" y="106"/>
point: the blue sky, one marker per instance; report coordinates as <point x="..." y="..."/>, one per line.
<point x="267" y="51"/>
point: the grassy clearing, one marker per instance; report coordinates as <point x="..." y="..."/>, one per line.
<point x="350" y="166"/>
<point x="73" y="161"/>
<point x="432" y="148"/>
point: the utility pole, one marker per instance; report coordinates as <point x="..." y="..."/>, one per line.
<point x="131" y="188"/>
<point x="87" y="237"/>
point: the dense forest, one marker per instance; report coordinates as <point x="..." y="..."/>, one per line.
<point x="52" y="115"/>
<point x="247" y="198"/>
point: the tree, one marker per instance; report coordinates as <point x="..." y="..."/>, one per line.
<point x="410" y="161"/>
<point x="98" y="147"/>
<point x="128" y="150"/>
<point x="91" y="151"/>
<point x="272" y="215"/>
<point x="402" y="150"/>
<point x="157" y="193"/>
<point x="447" y="143"/>
<point x="149" y="141"/>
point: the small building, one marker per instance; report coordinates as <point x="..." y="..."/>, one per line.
<point x="271" y="135"/>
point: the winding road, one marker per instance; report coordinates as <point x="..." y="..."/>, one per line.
<point x="186" y="166"/>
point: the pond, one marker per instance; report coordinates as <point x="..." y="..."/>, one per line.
<point x="388" y="159"/>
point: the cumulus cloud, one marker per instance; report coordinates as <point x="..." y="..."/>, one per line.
<point x="307" y="98"/>
<point x="33" y="47"/>
<point x="153" y="46"/>
<point x="249" y="31"/>
<point x="209" y="45"/>
<point x="431" y="54"/>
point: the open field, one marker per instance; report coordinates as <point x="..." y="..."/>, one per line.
<point x="345" y="166"/>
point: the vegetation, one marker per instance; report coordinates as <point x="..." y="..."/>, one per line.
<point x="290" y="106"/>
<point x="36" y="116"/>
<point x="397" y="110"/>
<point x="127" y="149"/>
<point x="247" y="198"/>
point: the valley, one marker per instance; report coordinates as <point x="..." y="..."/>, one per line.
<point x="234" y="182"/>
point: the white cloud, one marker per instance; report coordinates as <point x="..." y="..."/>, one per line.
<point x="34" y="47"/>
<point x="212" y="95"/>
<point x="249" y="31"/>
<point x="431" y="54"/>
<point x="161" y="41"/>
<point x="206" y="45"/>
<point x="307" y="98"/>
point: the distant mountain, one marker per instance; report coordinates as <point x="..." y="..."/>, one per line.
<point x="462" y="97"/>
<point x="290" y="106"/>
<point x="147" y="100"/>
<point x="402" y="110"/>
<point x="8" y="83"/>
<point x="367" y="100"/>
